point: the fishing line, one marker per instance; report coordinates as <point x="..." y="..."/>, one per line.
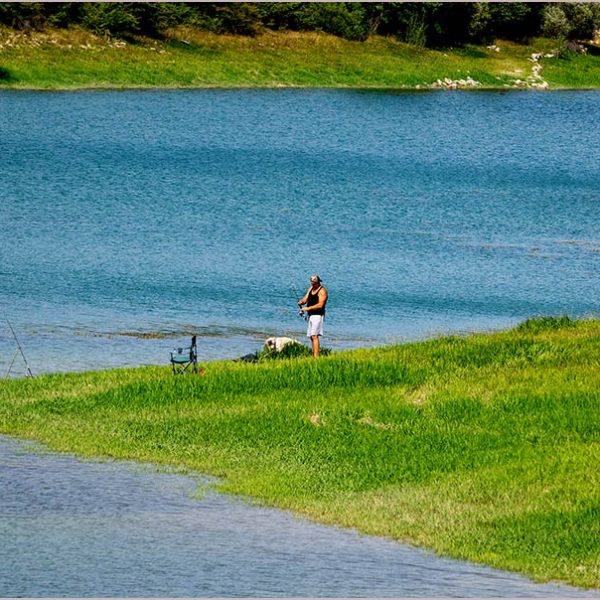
<point x="29" y="373"/>
<point x="12" y="362"/>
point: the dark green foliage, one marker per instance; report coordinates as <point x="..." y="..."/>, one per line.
<point x="447" y="22"/>
<point x="583" y="18"/>
<point x="419" y="23"/>
<point x="5" y="75"/>
<point x="295" y="350"/>
<point x="571" y="21"/>
<point x="408" y="21"/>
<point x="288" y="351"/>
<point x="22" y="15"/>
<point x="115" y="18"/>
<point x="539" y="324"/>
<point x="63" y="14"/>
<point x="479" y="27"/>
<point x="348" y="20"/>
<point x="455" y="23"/>
<point x="139" y="18"/>
<point x="515" y="20"/>
<point x="240" y="18"/>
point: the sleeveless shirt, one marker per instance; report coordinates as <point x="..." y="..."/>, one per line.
<point x="312" y="300"/>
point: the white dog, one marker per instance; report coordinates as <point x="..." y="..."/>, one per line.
<point x="278" y="343"/>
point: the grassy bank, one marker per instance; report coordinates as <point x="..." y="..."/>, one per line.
<point x="75" y="59"/>
<point x="484" y="448"/>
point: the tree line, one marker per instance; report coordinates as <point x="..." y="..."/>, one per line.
<point x="421" y="23"/>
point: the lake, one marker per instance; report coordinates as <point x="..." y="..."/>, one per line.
<point x="131" y="219"/>
<point x="113" y="529"/>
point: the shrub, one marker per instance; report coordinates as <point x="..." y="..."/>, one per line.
<point x="5" y="74"/>
<point x="293" y="350"/>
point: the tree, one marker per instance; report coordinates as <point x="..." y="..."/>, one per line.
<point x="22" y="15"/>
<point x="241" y="18"/>
<point x="515" y="20"/>
<point x="571" y="21"/>
<point x="115" y="18"/>
<point x="481" y="19"/>
<point x="344" y="19"/>
<point x="555" y="23"/>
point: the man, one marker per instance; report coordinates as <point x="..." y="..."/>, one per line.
<point x="315" y="300"/>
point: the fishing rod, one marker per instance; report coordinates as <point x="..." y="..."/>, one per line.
<point x="301" y="313"/>
<point x="29" y="373"/>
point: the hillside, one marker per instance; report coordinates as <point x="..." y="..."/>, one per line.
<point x="67" y="59"/>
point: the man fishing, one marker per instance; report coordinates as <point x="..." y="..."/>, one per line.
<point x="314" y="300"/>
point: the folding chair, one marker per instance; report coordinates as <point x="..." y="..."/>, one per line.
<point x="182" y="358"/>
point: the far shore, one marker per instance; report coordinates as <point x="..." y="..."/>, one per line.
<point x="76" y="59"/>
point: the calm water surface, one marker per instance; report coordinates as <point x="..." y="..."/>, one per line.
<point x="72" y="528"/>
<point x="128" y="219"/>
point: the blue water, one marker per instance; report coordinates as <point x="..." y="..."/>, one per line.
<point x="70" y="528"/>
<point x="130" y="219"/>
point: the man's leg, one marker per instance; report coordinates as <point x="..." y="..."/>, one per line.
<point x="314" y="340"/>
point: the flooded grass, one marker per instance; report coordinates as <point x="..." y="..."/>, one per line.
<point x="484" y="447"/>
<point x="186" y="58"/>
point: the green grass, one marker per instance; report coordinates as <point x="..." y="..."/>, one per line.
<point x="76" y="59"/>
<point x="484" y="448"/>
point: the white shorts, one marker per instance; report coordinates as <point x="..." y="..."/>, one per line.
<point x="315" y="325"/>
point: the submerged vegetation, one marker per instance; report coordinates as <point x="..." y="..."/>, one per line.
<point x="483" y="448"/>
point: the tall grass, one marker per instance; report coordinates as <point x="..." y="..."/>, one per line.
<point x="185" y="58"/>
<point x="484" y="448"/>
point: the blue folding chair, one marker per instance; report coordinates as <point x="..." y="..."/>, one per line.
<point x="183" y="358"/>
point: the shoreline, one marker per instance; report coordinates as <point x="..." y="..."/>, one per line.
<point x="395" y="90"/>
<point x="202" y="484"/>
<point x="478" y="448"/>
<point x="76" y="59"/>
<point x="201" y="495"/>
